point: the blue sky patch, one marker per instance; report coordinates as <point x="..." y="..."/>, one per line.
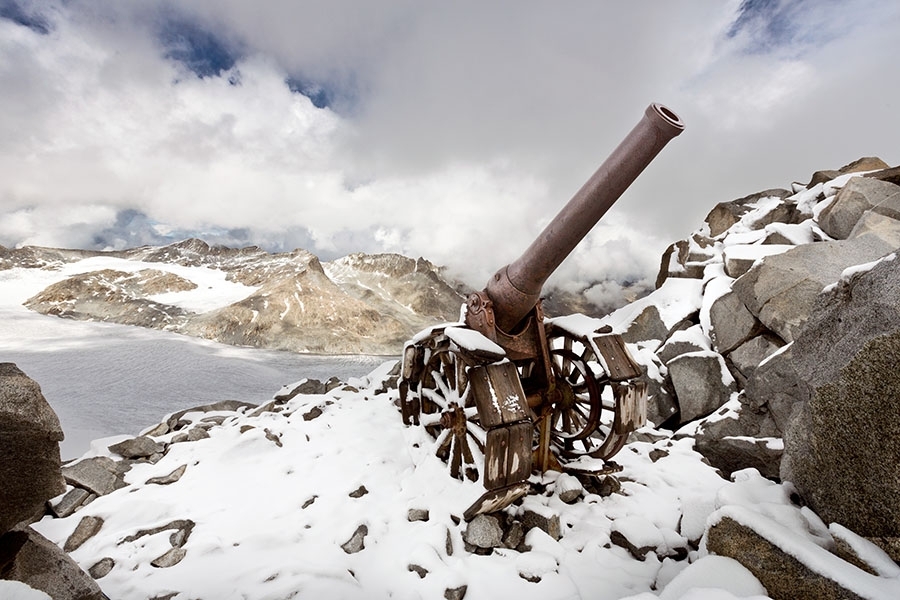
<point x="771" y="25"/>
<point x="320" y="96"/>
<point x="13" y="11"/>
<point x="201" y="51"/>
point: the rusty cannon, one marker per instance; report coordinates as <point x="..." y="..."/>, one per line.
<point x="505" y="391"/>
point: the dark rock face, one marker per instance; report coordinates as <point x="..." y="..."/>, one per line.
<point x="784" y="576"/>
<point x="773" y="386"/>
<point x="29" y="557"/>
<point x="843" y="444"/>
<point x="29" y="448"/>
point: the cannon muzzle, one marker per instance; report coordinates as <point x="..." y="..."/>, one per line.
<point x="516" y="288"/>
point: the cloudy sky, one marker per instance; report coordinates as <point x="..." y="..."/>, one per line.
<point x="450" y="130"/>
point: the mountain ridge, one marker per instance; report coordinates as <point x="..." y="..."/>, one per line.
<point x="357" y="304"/>
<point x="291" y="302"/>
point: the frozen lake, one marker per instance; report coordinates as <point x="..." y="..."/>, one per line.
<point x="104" y="379"/>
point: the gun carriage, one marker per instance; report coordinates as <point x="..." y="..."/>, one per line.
<point x="505" y="391"/>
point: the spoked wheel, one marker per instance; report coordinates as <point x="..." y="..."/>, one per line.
<point x="449" y="415"/>
<point x="581" y="422"/>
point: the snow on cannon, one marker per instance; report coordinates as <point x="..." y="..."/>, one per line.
<point x="505" y="391"/>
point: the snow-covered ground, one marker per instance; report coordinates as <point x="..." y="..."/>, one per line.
<point x="275" y="497"/>
<point x="104" y="379"/>
<point x="268" y="505"/>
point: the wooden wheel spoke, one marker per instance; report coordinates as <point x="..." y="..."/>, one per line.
<point x="449" y="414"/>
<point x="445" y="441"/>
<point x="578" y="411"/>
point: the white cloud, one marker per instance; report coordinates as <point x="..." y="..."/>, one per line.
<point x="457" y="130"/>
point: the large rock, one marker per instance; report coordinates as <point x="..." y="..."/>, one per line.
<point x="29" y="449"/>
<point x="732" y="324"/>
<point x="28" y="557"/>
<point x="866" y="163"/>
<point x="648" y="325"/>
<point x="859" y="195"/>
<point x="726" y="214"/>
<point x="702" y="383"/>
<point x="735" y="453"/>
<point x="138" y="447"/>
<point x="842" y="446"/>
<point x="683" y="341"/>
<point x="99" y="475"/>
<point x="738" y="437"/>
<point x="789" y="567"/>
<point x="781" y="290"/>
<point x="875" y="223"/>
<point x="774" y="387"/>
<point x="892" y="175"/>
<point x="740" y="258"/>
<point x="746" y="357"/>
<point x="687" y="258"/>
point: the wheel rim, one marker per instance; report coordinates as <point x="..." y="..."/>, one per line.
<point x="580" y="420"/>
<point x="449" y="415"/>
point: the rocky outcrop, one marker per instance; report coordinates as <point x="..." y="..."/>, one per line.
<point x="30" y="473"/>
<point x="727" y="214"/>
<point x="781" y="291"/>
<point x="306" y="312"/>
<point x="843" y="442"/>
<point x="858" y="196"/>
<point x="782" y="571"/>
<point x="800" y="307"/>
<point x="360" y="304"/>
<point x="117" y="296"/>
<point x="30" y="558"/>
<point x="29" y="449"/>
<point x="701" y="382"/>
<point x="728" y="375"/>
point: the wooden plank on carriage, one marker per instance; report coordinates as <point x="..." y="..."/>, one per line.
<point x="618" y="360"/>
<point x="519" y="455"/>
<point x="631" y="406"/>
<point x="475" y="343"/>
<point x="494" y="500"/>
<point x="507" y="455"/>
<point x="498" y="394"/>
<point x="496" y="452"/>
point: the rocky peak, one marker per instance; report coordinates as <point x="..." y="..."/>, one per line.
<point x="359" y="304"/>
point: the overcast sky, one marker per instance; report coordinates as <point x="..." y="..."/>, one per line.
<point x="449" y="130"/>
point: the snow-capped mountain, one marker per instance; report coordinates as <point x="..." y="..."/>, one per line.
<point x="287" y="301"/>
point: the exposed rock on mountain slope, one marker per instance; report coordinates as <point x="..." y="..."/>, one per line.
<point x="117" y="296"/>
<point x="845" y="382"/>
<point x="384" y="278"/>
<point x="290" y="301"/>
<point x="774" y="331"/>
<point x="30" y="471"/>
<point x="359" y="304"/>
<point x="307" y="311"/>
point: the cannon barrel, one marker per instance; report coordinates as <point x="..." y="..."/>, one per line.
<point x="516" y="288"/>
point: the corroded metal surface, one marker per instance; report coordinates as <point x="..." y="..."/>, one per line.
<point x="516" y="288"/>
